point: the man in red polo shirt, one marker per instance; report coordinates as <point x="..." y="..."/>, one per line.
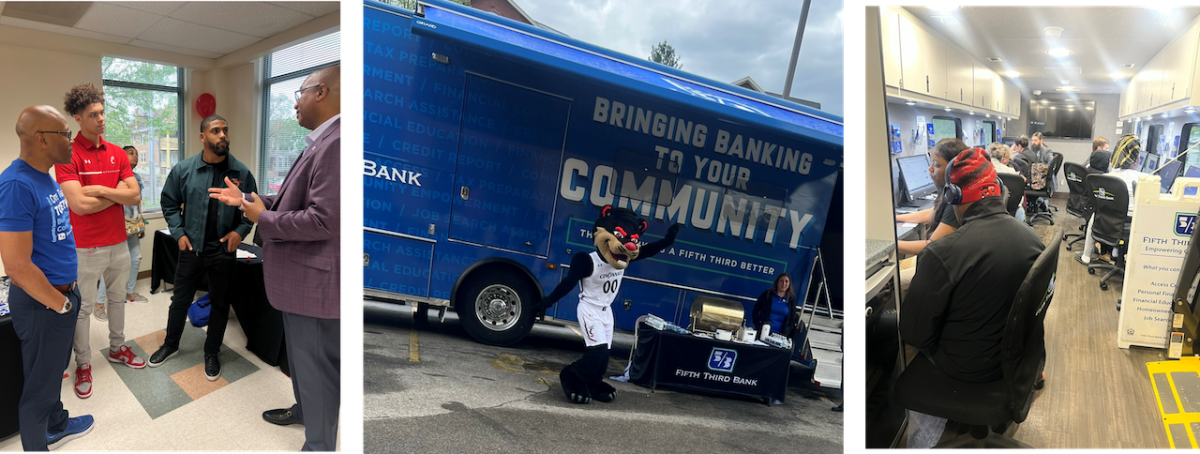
<point x="97" y="182"/>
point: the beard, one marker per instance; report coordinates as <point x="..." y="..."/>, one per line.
<point x="220" y="149"/>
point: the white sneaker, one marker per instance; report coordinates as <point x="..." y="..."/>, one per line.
<point x="100" y="313"/>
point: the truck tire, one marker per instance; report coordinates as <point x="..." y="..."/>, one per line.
<point x="495" y="306"/>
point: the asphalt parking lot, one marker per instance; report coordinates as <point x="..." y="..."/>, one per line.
<point x="430" y="388"/>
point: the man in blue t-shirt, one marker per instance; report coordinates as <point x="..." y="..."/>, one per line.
<point x="37" y="247"/>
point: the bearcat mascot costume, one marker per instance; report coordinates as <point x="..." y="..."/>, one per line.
<point x="598" y="274"/>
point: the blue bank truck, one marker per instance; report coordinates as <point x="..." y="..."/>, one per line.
<point x="490" y="147"/>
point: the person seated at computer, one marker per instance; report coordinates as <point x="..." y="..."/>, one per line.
<point x="1098" y="162"/>
<point x="1001" y="159"/>
<point x="939" y="219"/>
<point x="965" y="283"/>
<point x="1018" y="158"/>
<point x="1124" y="166"/>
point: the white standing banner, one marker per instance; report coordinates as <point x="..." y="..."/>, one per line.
<point x="1159" y="237"/>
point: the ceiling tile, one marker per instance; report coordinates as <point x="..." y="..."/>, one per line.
<point x="255" y="19"/>
<point x="188" y="35"/>
<point x="22" y="23"/>
<point x="178" y="50"/>
<point x="316" y="9"/>
<point x="159" y="8"/>
<point x="116" y="20"/>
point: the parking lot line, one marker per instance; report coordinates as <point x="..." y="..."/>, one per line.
<point x="414" y="347"/>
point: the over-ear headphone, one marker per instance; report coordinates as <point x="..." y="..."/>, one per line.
<point x="951" y="191"/>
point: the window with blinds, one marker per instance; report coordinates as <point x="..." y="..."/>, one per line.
<point x="282" y="136"/>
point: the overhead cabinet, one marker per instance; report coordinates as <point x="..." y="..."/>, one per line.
<point x="922" y="60"/>
<point x="918" y="61"/>
<point x="1168" y="81"/>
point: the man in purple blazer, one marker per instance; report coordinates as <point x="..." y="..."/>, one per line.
<point x="300" y="228"/>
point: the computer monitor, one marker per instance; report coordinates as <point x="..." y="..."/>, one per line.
<point x="1168" y="174"/>
<point x="1192" y="172"/>
<point x="1151" y="143"/>
<point x="1150" y="163"/>
<point x="914" y="171"/>
<point x="897" y="185"/>
<point x="1190" y="137"/>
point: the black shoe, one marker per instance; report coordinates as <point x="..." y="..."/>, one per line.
<point x="161" y="355"/>
<point x="212" y="367"/>
<point x="281" y="417"/>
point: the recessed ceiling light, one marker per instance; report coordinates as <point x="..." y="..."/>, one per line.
<point x="987" y="115"/>
<point x="1116" y="75"/>
<point x="1059" y="52"/>
<point x="971" y="113"/>
<point x="1189" y="109"/>
<point x="1053" y="32"/>
<point x="1012" y="74"/>
<point x="1065" y="82"/>
<point x="1044" y="101"/>
<point x="1165" y="115"/>
<point x="1053" y="108"/>
<point x="1089" y="108"/>
<point x="911" y="103"/>
<point x="947" y="109"/>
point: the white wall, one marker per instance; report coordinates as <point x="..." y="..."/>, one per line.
<point x="1079" y="150"/>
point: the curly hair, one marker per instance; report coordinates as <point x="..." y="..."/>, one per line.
<point x="81" y="96"/>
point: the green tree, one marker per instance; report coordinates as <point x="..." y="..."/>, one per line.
<point x="146" y="119"/>
<point x="665" y="54"/>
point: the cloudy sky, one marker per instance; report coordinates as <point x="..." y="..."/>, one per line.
<point x="716" y="39"/>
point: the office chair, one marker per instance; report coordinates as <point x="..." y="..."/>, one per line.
<point x="991" y="407"/>
<point x="1039" y="200"/>
<point x="1110" y="202"/>
<point x="1079" y="202"/>
<point x="1056" y="162"/>
<point x="1016" y="190"/>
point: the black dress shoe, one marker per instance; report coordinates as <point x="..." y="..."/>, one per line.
<point x="281" y="416"/>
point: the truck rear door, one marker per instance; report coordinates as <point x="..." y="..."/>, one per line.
<point x="509" y="153"/>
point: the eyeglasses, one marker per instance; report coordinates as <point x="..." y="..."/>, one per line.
<point x="66" y="133"/>
<point x="301" y="91"/>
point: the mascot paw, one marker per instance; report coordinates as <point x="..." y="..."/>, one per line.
<point x="603" y="392"/>
<point x="575" y="389"/>
<point x="579" y="398"/>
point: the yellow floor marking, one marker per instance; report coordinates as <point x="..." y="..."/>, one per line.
<point x="414" y="347"/>
<point x="576" y="331"/>
<point x="1183" y="418"/>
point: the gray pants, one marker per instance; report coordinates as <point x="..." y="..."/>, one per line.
<point x="314" y="356"/>
<point x="111" y="262"/>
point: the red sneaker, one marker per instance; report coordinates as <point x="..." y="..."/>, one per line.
<point x="83" y="381"/>
<point x="126" y="356"/>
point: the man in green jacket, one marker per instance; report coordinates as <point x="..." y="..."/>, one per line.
<point x="208" y="233"/>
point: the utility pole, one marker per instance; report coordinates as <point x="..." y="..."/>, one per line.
<point x="787" y="84"/>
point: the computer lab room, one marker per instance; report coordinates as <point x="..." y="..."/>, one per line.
<point x="1031" y="279"/>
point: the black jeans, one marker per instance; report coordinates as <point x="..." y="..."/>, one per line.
<point x="188" y="274"/>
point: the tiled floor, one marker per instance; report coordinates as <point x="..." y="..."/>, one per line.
<point x="174" y="407"/>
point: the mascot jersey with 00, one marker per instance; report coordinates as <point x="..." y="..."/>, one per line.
<point x="598" y="275"/>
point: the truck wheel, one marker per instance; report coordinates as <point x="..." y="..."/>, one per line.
<point x="495" y="307"/>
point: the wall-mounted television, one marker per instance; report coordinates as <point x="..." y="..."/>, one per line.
<point x="1067" y="119"/>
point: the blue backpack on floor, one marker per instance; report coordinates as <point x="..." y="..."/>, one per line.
<point x="199" y="310"/>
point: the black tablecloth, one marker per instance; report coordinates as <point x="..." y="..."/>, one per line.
<point x="262" y="323"/>
<point x="691" y="363"/>
<point x="12" y="377"/>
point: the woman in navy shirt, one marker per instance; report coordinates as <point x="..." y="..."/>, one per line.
<point x="776" y="307"/>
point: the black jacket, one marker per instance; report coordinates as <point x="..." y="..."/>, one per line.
<point x="762" y="312"/>
<point x="963" y="289"/>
